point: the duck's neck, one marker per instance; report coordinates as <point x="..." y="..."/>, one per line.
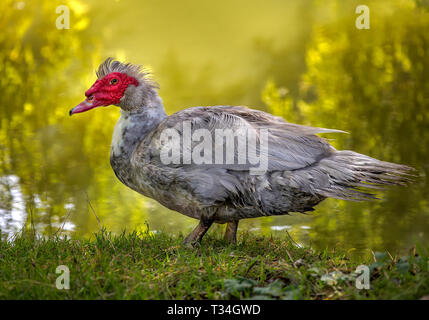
<point x="133" y="126"/>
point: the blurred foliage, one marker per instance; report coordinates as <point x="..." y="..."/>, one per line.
<point x="374" y="85"/>
<point x="60" y="165"/>
<point x="303" y="60"/>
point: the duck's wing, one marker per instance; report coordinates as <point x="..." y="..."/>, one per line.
<point x="288" y="146"/>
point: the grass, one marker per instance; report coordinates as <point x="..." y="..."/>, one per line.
<point x="147" y="266"/>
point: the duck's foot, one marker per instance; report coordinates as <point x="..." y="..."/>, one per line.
<point x="231" y="232"/>
<point x="194" y="238"/>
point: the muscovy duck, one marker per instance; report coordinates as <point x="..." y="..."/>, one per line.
<point x="173" y="159"/>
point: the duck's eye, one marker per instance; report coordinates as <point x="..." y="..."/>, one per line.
<point x="113" y="81"/>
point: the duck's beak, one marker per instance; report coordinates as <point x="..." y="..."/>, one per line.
<point x="83" y="106"/>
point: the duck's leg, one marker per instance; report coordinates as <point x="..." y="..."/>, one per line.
<point x="231" y="231"/>
<point x="198" y="233"/>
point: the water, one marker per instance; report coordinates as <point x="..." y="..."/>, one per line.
<point x="302" y="60"/>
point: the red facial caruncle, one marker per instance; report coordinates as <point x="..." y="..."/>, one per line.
<point x="106" y="91"/>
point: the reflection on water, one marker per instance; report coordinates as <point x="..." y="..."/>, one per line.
<point x="279" y="228"/>
<point x="301" y="60"/>
<point x="13" y="218"/>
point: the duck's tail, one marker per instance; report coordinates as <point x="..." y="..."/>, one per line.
<point x="349" y="175"/>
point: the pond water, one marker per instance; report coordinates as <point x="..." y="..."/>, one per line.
<point x="303" y="60"/>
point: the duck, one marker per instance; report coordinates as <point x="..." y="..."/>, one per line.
<point x="222" y="164"/>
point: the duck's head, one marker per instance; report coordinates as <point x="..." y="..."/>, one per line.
<point x="121" y="84"/>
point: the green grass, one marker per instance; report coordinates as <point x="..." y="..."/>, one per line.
<point x="146" y="266"/>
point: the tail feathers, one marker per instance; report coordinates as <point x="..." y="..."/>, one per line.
<point x="352" y="176"/>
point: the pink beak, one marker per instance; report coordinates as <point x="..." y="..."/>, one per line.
<point x="83" y="106"/>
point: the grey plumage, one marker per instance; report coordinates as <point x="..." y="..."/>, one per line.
<point x="303" y="169"/>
